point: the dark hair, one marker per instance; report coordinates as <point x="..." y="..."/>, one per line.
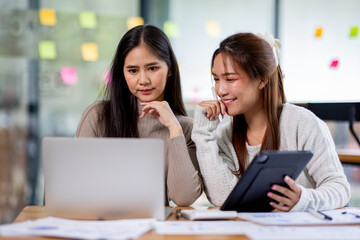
<point x="119" y="115"/>
<point x="255" y="56"/>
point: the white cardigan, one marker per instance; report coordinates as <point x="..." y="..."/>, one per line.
<point x="324" y="185"/>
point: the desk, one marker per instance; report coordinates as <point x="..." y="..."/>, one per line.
<point x="349" y="156"/>
<point x="35" y="212"/>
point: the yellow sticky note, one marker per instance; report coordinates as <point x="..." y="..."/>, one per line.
<point x="87" y="19"/>
<point x="47" y="17"/>
<point x="213" y="28"/>
<point x="89" y="52"/>
<point x="134" y="21"/>
<point x="47" y="50"/>
<point x="171" y="29"/>
<point x="354" y="31"/>
<point x="318" y="32"/>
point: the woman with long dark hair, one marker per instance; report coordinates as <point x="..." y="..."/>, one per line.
<point x="249" y="82"/>
<point x="143" y="100"/>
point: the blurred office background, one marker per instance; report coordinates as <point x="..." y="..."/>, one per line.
<point x="55" y="56"/>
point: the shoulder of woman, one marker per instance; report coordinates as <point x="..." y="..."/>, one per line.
<point x="93" y="109"/>
<point x="301" y="117"/>
<point x="291" y="111"/>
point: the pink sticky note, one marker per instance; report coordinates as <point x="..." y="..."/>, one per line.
<point x="69" y="75"/>
<point x="195" y="97"/>
<point x="334" y="63"/>
<point x="107" y="77"/>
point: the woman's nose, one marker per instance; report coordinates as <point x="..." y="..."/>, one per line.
<point x="221" y="89"/>
<point x="143" y="78"/>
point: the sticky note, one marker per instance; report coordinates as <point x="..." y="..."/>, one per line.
<point x="354" y="31"/>
<point x="213" y="28"/>
<point x="134" y="21"/>
<point x="89" y="52"/>
<point x="107" y="77"/>
<point x="47" y="50"/>
<point x="318" y="32"/>
<point x="87" y="19"/>
<point x="171" y="29"/>
<point x="195" y="97"/>
<point x="47" y="17"/>
<point x="334" y="63"/>
<point x="69" y="75"/>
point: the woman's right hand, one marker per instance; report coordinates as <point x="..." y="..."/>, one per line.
<point x="213" y="108"/>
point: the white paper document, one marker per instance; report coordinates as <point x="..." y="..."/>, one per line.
<point x="256" y="232"/>
<point x="203" y="227"/>
<point x="339" y="216"/>
<point x="301" y="233"/>
<point x="66" y="228"/>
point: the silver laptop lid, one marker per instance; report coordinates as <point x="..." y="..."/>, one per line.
<point x="104" y="178"/>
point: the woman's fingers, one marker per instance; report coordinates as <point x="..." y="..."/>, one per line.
<point x="290" y="196"/>
<point x="281" y="207"/>
<point x="162" y="111"/>
<point x="213" y="108"/>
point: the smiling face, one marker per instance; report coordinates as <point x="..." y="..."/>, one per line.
<point x="145" y="74"/>
<point x="240" y="94"/>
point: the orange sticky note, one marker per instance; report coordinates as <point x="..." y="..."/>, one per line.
<point x="171" y="29"/>
<point x="134" y="21"/>
<point x="69" y="75"/>
<point x="213" y="28"/>
<point x="47" y="17"/>
<point x="89" y="52"/>
<point x="318" y="32"/>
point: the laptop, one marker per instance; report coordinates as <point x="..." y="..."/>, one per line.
<point x="104" y="178"/>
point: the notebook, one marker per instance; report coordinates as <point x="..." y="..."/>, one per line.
<point x="104" y="178"/>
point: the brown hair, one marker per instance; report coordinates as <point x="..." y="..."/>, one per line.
<point x="255" y="56"/>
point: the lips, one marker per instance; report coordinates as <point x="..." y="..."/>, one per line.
<point x="146" y="91"/>
<point x="227" y="102"/>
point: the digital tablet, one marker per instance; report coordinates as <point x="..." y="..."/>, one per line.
<point x="267" y="168"/>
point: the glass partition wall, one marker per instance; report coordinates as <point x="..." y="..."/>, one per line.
<point x="55" y="58"/>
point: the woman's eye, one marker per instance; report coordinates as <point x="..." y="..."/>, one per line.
<point x="133" y="71"/>
<point x="216" y="79"/>
<point x="153" y="68"/>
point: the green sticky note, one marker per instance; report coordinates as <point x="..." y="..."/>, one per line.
<point x="47" y="50"/>
<point x="171" y="29"/>
<point x="88" y="20"/>
<point x="354" y="31"/>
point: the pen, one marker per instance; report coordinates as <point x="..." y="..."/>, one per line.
<point x="178" y="213"/>
<point x="216" y="98"/>
<point x="319" y="214"/>
<point x="357" y="216"/>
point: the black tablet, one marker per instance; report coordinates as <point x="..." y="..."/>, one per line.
<point x="267" y="168"/>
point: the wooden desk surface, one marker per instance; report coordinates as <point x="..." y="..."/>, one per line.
<point x="349" y="156"/>
<point x="35" y="212"/>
